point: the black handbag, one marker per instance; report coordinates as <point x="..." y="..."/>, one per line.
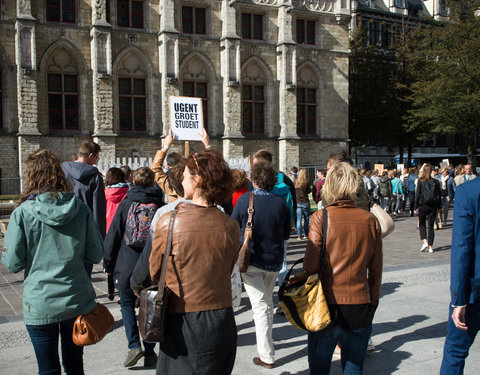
<point x="153" y="300"/>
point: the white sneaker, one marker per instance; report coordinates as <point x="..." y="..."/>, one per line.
<point x="371" y="346"/>
<point x="424" y="247"/>
<point x="430" y="250"/>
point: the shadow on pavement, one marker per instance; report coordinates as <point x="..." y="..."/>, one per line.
<point x="389" y="288"/>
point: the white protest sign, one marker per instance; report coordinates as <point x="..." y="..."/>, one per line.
<point x="400" y="167"/>
<point x="186" y="117"/>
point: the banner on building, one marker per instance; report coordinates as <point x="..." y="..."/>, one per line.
<point x="186" y="117"/>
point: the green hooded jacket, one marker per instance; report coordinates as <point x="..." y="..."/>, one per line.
<point x="50" y="238"/>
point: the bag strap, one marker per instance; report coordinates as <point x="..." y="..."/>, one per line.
<point x="250" y="211"/>
<point x="166" y="256"/>
<point x="324" y="240"/>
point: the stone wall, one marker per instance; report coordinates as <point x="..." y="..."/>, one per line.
<point x="167" y="58"/>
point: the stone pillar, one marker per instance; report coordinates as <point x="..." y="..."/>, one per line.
<point x="230" y="72"/>
<point x="168" y="51"/>
<point x="287" y="73"/>
<point x="288" y="154"/>
<point x="101" y="55"/>
<point x="25" y="59"/>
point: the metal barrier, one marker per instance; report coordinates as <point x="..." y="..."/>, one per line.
<point x="10" y="185"/>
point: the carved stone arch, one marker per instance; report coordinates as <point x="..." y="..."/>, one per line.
<point x="197" y="60"/>
<point x="133" y="51"/>
<point x="254" y="69"/>
<point x="70" y="49"/>
<point x="308" y="74"/>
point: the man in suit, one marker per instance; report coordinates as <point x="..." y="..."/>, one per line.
<point x="464" y="319"/>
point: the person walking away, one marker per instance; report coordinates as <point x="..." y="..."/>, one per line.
<point x="285" y="189"/>
<point x="351" y="274"/>
<point x="200" y="330"/>
<point x="87" y="185"/>
<point x="115" y="190"/>
<point x="397" y="192"/>
<point x="270" y="227"/>
<point x="411" y="187"/>
<point x="124" y="244"/>
<point x="50" y="236"/>
<point x="447" y="194"/>
<point x="302" y="189"/>
<point x="464" y="310"/>
<point x="385" y="191"/>
<point x="427" y="201"/>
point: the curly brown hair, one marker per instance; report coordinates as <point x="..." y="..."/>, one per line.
<point x="240" y="179"/>
<point x="263" y="175"/>
<point x="216" y="183"/>
<point x="43" y="174"/>
<point x="175" y="178"/>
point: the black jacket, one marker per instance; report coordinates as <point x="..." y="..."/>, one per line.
<point x="87" y="184"/>
<point x="120" y="259"/>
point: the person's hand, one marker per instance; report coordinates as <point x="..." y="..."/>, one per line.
<point x="458" y="317"/>
<point x="205" y="138"/>
<point x="167" y="142"/>
<point x="137" y="292"/>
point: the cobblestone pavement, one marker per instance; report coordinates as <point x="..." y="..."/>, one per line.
<point x="409" y="325"/>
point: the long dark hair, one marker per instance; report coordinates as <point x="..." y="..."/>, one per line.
<point x="43" y="174"/>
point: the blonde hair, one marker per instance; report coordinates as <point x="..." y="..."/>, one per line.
<point x="301" y="179"/>
<point x="341" y="183"/>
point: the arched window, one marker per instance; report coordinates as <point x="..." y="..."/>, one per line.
<point x="62" y="91"/>
<point x="307" y="102"/>
<point x="253" y="99"/>
<point x="195" y="79"/>
<point x="132" y="94"/>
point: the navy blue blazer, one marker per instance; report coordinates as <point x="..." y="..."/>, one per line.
<point x="465" y="256"/>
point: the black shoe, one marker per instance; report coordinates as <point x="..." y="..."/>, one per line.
<point x="150" y="360"/>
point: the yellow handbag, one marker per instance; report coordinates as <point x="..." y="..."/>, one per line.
<point x="303" y="302"/>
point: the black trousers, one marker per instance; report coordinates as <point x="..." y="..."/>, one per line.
<point x="427" y="214"/>
<point x="411" y="201"/>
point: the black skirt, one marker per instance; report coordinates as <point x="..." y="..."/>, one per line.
<point x="198" y="343"/>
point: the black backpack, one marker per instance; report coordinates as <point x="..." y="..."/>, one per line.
<point x="430" y="193"/>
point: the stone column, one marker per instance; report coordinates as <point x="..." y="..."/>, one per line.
<point x="286" y="61"/>
<point x="168" y="51"/>
<point x="101" y="59"/>
<point x="25" y="59"/>
<point x="230" y="72"/>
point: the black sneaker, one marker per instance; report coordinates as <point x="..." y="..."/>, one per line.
<point x="150" y="360"/>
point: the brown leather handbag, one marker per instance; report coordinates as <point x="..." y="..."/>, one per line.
<point x="153" y="300"/>
<point x="244" y="253"/>
<point x="91" y="328"/>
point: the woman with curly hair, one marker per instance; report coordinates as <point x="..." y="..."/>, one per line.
<point x="200" y="330"/>
<point x="50" y="235"/>
<point x="270" y="227"/>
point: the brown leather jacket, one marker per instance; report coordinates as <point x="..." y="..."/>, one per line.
<point x="352" y="271"/>
<point x="161" y="177"/>
<point x="205" y="248"/>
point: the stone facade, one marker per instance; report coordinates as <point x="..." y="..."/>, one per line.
<point x="99" y="51"/>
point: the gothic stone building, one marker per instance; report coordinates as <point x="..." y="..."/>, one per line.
<point x="272" y="74"/>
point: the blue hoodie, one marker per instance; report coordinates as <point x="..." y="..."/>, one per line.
<point x="50" y="238"/>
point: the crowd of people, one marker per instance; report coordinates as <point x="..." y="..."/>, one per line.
<point x="71" y="218"/>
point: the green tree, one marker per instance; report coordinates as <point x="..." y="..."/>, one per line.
<point x="446" y="95"/>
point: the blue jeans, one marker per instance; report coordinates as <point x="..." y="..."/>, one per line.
<point x="127" y="308"/>
<point x="45" y="343"/>
<point x="321" y="346"/>
<point x="303" y="210"/>
<point x="458" y="342"/>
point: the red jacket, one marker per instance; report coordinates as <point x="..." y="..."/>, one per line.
<point x="237" y="194"/>
<point x="114" y="195"/>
